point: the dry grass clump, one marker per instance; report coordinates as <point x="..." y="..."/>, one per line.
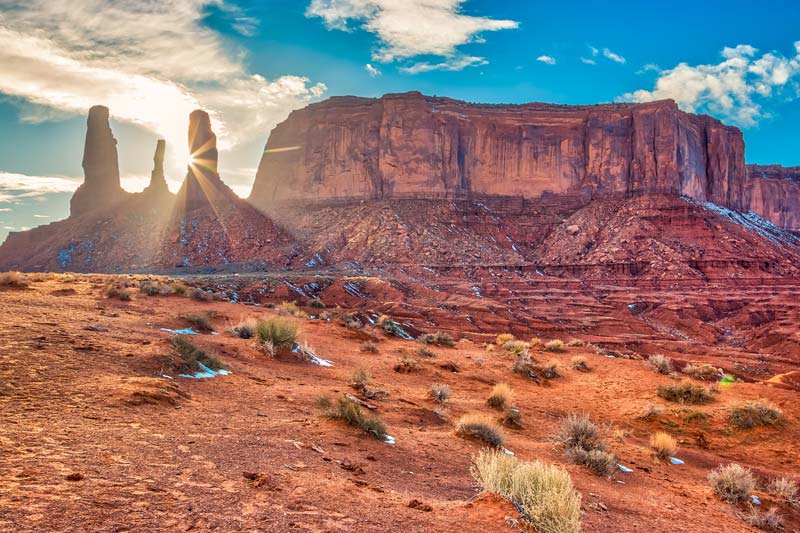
<point x="701" y="371"/>
<point x="766" y="521"/>
<point x="536" y="342"/>
<point x="407" y="366"/>
<point x="504" y="338"/>
<point x="276" y="334"/>
<point x="424" y="351"/>
<point x="360" y="378"/>
<point x="542" y="493"/>
<point x="391" y="327"/>
<point x="583" y="444"/>
<point x="732" y="482"/>
<point x="437" y="339"/>
<point x="663" y="445"/>
<point x="501" y="397"/>
<point x="580" y="363"/>
<point x="200" y="295"/>
<point x="551" y="369"/>
<point x="119" y="292"/>
<point x="154" y="287"/>
<point x="512" y="416"/>
<point x="246" y="329"/>
<point x="754" y="413"/>
<point x="576" y="343"/>
<point x="200" y="321"/>
<point x="685" y="392"/>
<point x="346" y="409"/>
<point x="660" y="363"/>
<point x="13" y="279"/>
<point x="555" y="346"/>
<point x="291" y="309"/>
<point x="651" y="411"/>
<point x="317" y="304"/>
<point x="451" y="366"/>
<point x="480" y="427"/>
<point x="785" y="489"/>
<point x="190" y="355"/>
<point x="440" y="392"/>
<point x="515" y="347"/>
<point x="523" y="364"/>
<point x="369" y="347"/>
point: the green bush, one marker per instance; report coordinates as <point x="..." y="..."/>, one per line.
<point x="480" y="427"/>
<point x="686" y="393"/>
<point x="190" y="355"/>
<point x="276" y="332"/>
<point x="753" y="414"/>
<point x="346" y="409"/>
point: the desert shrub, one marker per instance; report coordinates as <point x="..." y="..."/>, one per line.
<point x="149" y="287"/>
<point x="190" y="355"/>
<point x="542" y="493"/>
<point x="391" y="327"/>
<point x="516" y="347"/>
<point x="551" y="369"/>
<point x="555" y="346"/>
<point x="346" y="409"/>
<point x="701" y="371"/>
<point x="536" y="342"/>
<point x="500" y="397"/>
<point x="651" y="411"/>
<point x="685" y="392"/>
<point x="754" y="413"/>
<point x="180" y="289"/>
<point x="292" y="309"/>
<point x="512" y="416"/>
<point x="580" y="363"/>
<point x="785" y="489"/>
<point x="200" y="295"/>
<point x="660" y="363"/>
<point x="523" y="364"/>
<point x="13" y="279"/>
<point x="246" y="329"/>
<point x="369" y="347"/>
<point x="578" y="431"/>
<point x="576" y="343"/>
<point x="732" y="482"/>
<point x="451" y="366"/>
<point x="440" y="392"/>
<point x="424" y="351"/>
<point x="663" y="445"/>
<point x="316" y="304"/>
<point x="117" y="291"/>
<point x="488" y="347"/>
<point x="504" y="338"/>
<point x="766" y="521"/>
<point x="200" y="321"/>
<point x="407" y="366"/>
<point x="600" y="462"/>
<point x="276" y="333"/>
<point x="360" y="378"/>
<point x="480" y="427"/>
<point x="437" y="339"/>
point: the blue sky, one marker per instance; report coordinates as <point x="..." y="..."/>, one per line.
<point x="251" y="63"/>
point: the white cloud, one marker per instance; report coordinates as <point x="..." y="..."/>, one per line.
<point x="41" y="216"/>
<point x="32" y="185"/>
<point x="550" y="60"/>
<point x="588" y="61"/>
<point x="734" y="89"/>
<point x="613" y="57"/>
<point x="410" y="28"/>
<point x="372" y="71"/>
<point x="150" y="62"/>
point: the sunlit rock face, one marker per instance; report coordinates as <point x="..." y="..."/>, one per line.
<point x="773" y="191"/>
<point x="158" y="182"/>
<point x="101" y="187"/>
<point x="414" y="146"/>
<point x="202" y="180"/>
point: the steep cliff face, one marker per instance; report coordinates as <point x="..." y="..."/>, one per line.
<point x="414" y="146"/>
<point x="158" y="182"/>
<point x="773" y="192"/>
<point x="101" y="186"/>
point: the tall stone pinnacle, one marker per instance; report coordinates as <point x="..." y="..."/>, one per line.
<point x="158" y="183"/>
<point x="202" y="183"/>
<point x="101" y="186"/>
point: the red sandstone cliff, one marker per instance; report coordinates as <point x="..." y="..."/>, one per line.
<point x="411" y="145"/>
<point x="773" y="192"/>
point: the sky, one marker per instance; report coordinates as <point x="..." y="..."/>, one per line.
<point x="250" y="63"/>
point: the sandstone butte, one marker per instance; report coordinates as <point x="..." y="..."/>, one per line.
<point x="414" y="146"/>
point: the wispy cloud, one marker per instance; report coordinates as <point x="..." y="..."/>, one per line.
<point x="150" y="62"/>
<point x="734" y="89"/>
<point x="26" y="186"/>
<point x="410" y="28"/>
<point x="549" y="60"/>
<point x="616" y="58"/>
<point x="372" y="71"/>
<point x="588" y="61"/>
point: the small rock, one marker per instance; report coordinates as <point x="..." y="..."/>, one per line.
<point x="419" y="506"/>
<point x="573" y="229"/>
<point x="75" y="476"/>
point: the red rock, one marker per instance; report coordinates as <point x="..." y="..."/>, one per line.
<point x="158" y="182"/>
<point x="773" y="192"/>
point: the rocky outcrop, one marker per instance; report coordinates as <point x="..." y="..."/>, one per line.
<point x="158" y="182"/>
<point x="773" y="191"/>
<point x="414" y="146"/>
<point x="101" y="187"/>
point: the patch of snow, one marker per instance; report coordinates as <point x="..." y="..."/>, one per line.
<point x="205" y="373"/>
<point x="676" y="461"/>
<point x="388" y="439"/>
<point x="184" y="331"/>
<point x="624" y="469"/>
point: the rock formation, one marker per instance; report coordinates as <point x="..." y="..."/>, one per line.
<point x="101" y="186"/>
<point x="773" y="192"/>
<point x="414" y="146"/>
<point x="158" y="182"/>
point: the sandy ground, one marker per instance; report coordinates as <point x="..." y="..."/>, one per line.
<point x="93" y="438"/>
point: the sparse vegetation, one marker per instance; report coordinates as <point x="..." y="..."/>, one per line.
<point x="119" y="292"/>
<point x="552" y="369"/>
<point x="316" y="304"/>
<point x="663" y="445"/>
<point x="515" y="347"/>
<point x="583" y="444"/>
<point x="580" y="363"/>
<point x="200" y="295"/>
<point x="13" y="279"/>
<point x="685" y="392"/>
<point x="369" y="347"/>
<point x="500" y="397"/>
<point x="437" y="339"/>
<point x="407" y="366"/>
<point x="543" y="493"/>
<point x="200" y="321"/>
<point x="424" y="351"/>
<point x="555" y="346"/>
<point x="660" y="363"/>
<point x="701" y="371"/>
<point x="504" y="338"/>
<point x="536" y="342"/>
<point x="190" y="355"/>
<point x="360" y="378"/>
<point x="600" y="462"/>
<point x="276" y="334"/>
<point x="246" y="329"/>
<point x="523" y="364"/>
<point x="754" y="413"/>
<point x="346" y="409"/>
<point x="767" y="521"/>
<point x="512" y="416"/>
<point x="651" y="411"/>
<point x="732" y="482"/>
<point x="786" y="490"/>
<point x="482" y="428"/>
<point x="451" y="366"/>
<point x="440" y="392"/>
<point x="291" y="309"/>
<point x="576" y="343"/>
